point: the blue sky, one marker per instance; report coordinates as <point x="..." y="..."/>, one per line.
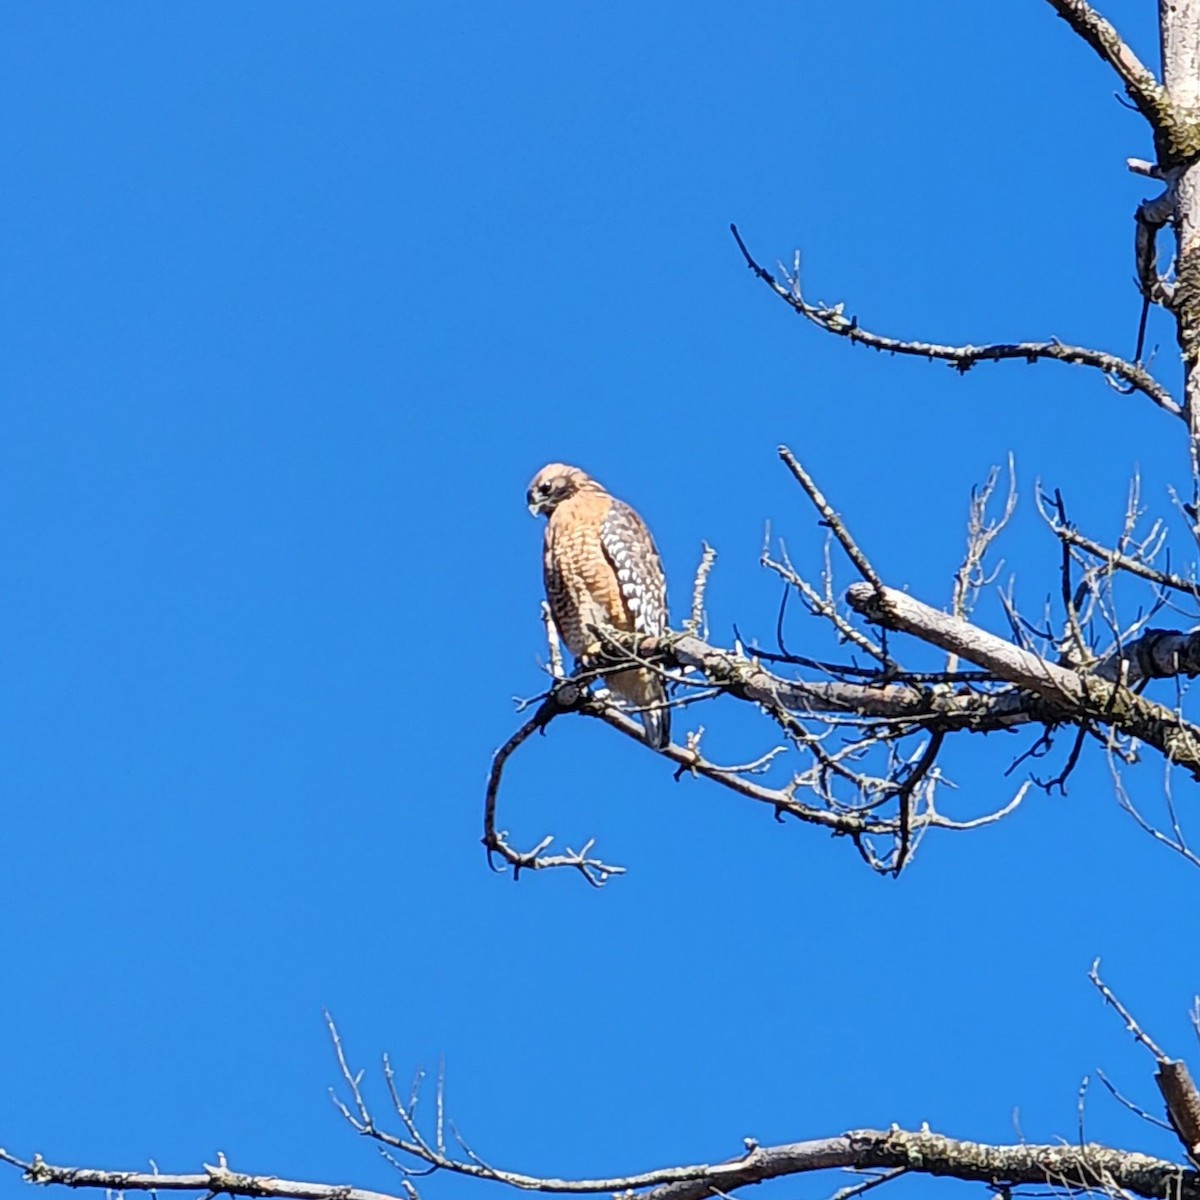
<point x="297" y="298"/>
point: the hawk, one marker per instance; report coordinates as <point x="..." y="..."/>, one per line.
<point x="601" y="568"/>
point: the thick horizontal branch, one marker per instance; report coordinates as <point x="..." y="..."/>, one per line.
<point x="1088" y="1168"/>
<point x="938" y="708"/>
<point x="1155" y="654"/>
<point x="833" y="320"/>
<point x="1079" y="695"/>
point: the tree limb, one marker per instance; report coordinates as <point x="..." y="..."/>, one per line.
<point x="1174" y="1080"/>
<point x="565" y="696"/>
<point x="1080" y="695"/>
<point x="1124" y="562"/>
<point x="1089" y="1168"/>
<point x="833" y="320"/>
<point x="1140" y="82"/>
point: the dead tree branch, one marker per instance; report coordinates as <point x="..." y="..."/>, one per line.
<point x="1174" y="1080"/>
<point x="830" y="518"/>
<point x="1141" y="85"/>
<point x="1139" y="563"/>
<point x="1079" y="695"/>
<point x="897" y="707"/>
<point x="1034" y="691"/>
<point x="1150" y="218"/>
<point x="869" y="739"/>
<point x="833" y="320"/>
<point x="565" y="696"/>
<point x="1089" y="1168"/>
<point x="695" y="624"/>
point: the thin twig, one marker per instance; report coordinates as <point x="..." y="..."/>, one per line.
<point x="695" y="622"/>
<point x="858" y="1189"/>
<point x="831" y="519"/>
<point x="1130" y="1023"/>
<point x="1136" y="1109"/>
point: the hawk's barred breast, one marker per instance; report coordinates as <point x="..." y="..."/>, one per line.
<point x="602" y="569"/>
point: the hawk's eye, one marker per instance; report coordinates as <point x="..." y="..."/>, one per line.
<point x="543" y="489"/>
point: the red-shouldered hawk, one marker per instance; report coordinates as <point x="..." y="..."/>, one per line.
<point x="602" y="568"/>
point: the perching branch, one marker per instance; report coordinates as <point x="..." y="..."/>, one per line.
<point x="865" y="743"/>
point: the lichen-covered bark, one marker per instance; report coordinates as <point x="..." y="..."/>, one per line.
<point x="1178" y="139"/>
<point x="1187" y="308"/>
<point x="1086" y="1168"/>
<point x="1080" y="697"/>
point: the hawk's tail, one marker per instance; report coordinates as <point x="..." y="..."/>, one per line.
<point x="657" y="723"/>
<point x="645" y="691"/>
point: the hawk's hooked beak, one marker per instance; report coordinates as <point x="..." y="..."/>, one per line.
<point x="536" y="507"/>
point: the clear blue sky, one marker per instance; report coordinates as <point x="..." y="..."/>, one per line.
<point x="296" y="298"/>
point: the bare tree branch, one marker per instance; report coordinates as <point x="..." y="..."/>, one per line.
<point x="822" y="605"/>
<point x="963" y="358"/>
<point x="216" y="1180"/>
<point x="1172" y="1076"/>
<point x="1139" y="1035"/>
<point x="853" y="553"/>
<point x="1141" y="85"/>
<point x="1150" y="218"/>
<point x="1089" y="1168"/>
<point x="1084" y="695"/>
<point x="695" y="623"/>
<point x="981" y="533"/>
<point x="1116" y="558"/>
<point x="565" y="696"/>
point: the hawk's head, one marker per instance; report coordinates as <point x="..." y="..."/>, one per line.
<point x="553" y="484"/>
